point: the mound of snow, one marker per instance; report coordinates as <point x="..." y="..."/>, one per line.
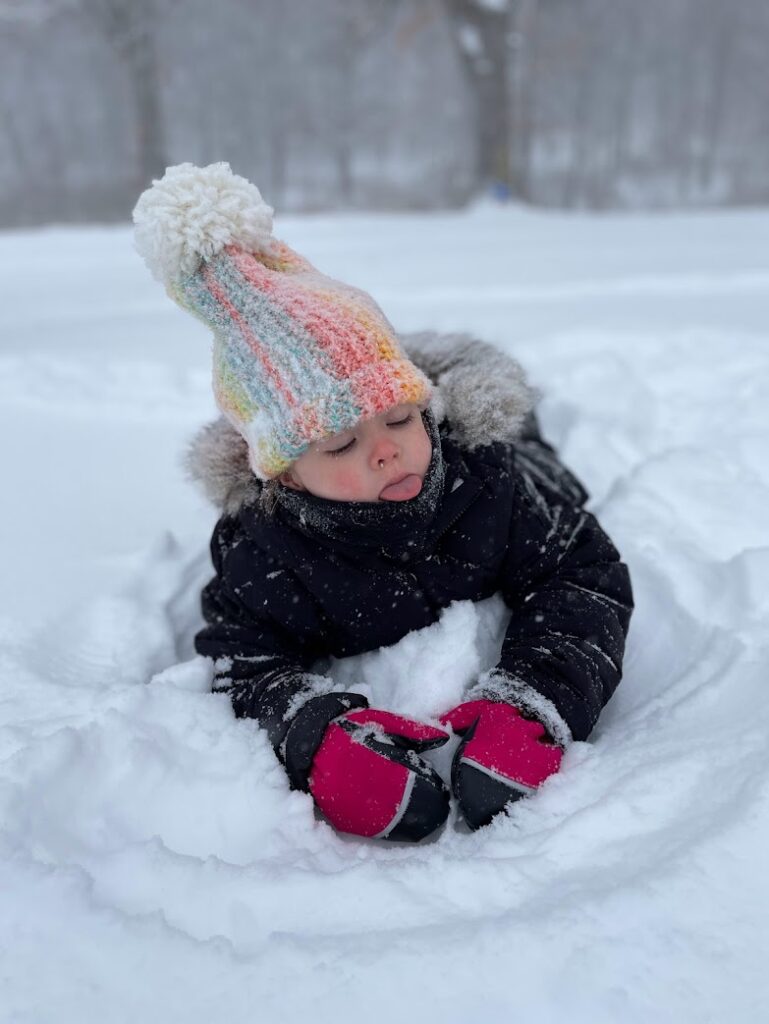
<point x="154" y="864"/>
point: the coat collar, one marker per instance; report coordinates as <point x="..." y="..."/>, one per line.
<point x="399" y="532"/>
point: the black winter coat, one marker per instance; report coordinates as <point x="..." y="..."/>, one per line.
<point x="510" y="520"/>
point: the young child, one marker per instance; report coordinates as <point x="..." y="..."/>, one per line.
<point x="359" y="500"/>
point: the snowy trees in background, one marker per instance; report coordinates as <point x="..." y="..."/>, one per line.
<point x="384" y="103"/>
<point x="129" y="30"/>
<point x="660" y="103"/>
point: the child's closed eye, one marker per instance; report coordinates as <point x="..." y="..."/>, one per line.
<point x="335" y="452"/>
<point x="340" y="451"/>
<point x="402" y="422"/>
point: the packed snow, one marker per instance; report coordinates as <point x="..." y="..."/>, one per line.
<point x="154" y="865"/>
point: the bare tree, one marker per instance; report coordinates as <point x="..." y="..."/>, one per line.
<point x="524" y="81"/>
<point x="482" y="33"/>
<point x="352" y="28"/>
<point x="130" y="28"/>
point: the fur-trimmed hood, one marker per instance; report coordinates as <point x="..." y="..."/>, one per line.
<point x="482" y="392"/>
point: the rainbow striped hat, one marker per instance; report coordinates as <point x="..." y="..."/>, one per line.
<point x="298" y="356"/>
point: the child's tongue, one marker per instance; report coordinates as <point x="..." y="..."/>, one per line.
<point x="408" y="487"/>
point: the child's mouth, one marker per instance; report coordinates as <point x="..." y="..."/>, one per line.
<point x="407" y="487"/>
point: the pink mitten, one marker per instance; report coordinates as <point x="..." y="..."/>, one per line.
<point x="503" y="756"/>
<point x="368" y="779"/>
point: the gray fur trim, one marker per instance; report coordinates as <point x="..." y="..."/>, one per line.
<point x="217" y="459"/>
<point x="499" y="686"/>
<point x="482" y="392"/>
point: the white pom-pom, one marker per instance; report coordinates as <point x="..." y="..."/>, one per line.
<point x="192" y="213"/>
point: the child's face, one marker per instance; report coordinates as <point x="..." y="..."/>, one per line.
<point x="381" y="459"/>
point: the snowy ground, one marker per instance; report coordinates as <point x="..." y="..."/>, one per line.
<point x="154" y="866"/>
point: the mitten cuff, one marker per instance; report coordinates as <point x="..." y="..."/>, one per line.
<point x="281" y="697"/>
<point x="499" y="686"/>
<point x="305" y="733"/>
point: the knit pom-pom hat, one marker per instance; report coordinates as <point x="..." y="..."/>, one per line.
<point x="298" y="356"/>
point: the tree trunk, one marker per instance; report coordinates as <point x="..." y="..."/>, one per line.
<point x="487" y="68"/>
<point x="151" y="156"/>
<point x="130" y="28"/>
<point x="523" y="90"/>
<point x="726" y="33"/>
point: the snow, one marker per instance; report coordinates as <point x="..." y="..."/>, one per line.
<point x="154" y="865"/>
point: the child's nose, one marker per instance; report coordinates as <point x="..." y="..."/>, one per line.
<point x="383" y="451"/>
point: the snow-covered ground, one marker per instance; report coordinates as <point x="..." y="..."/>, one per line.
<point x="154" y="866"/>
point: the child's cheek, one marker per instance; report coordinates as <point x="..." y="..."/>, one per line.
<point x="347" y="483"/>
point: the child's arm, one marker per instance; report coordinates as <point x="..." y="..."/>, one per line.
<point x="263" y="633"/>
<point x="571" y="601"/>
<point x="361" y="766"/>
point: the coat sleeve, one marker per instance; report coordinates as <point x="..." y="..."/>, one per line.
<point x="570" y="597"/>
<point x="263" y="632"/>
